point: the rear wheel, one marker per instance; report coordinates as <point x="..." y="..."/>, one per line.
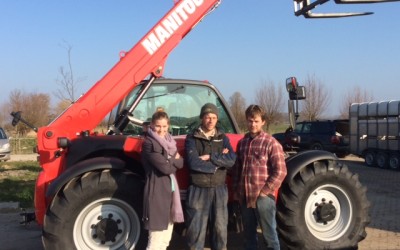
<point x="323" y="206"/>
<point x="370" y="158"/>
<point x="382" y="160"/>
<point x="394" y="161"/>
<point x="99" y="210"/>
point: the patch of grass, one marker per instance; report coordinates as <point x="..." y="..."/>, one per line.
<point x="17" y="182"/>
<point x="18" y="190"/>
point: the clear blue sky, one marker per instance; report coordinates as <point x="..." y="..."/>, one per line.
<point x="237" y="47"/>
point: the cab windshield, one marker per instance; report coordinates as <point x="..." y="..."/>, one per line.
<point x="181" y="100"/>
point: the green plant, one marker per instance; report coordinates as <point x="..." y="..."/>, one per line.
<point x="17" y="182"/>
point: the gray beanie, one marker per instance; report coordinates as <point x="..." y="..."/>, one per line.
<point x="208" y="108"/>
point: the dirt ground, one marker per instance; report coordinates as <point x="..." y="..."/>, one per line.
<point x="383" y="231"/>
<point x="28" y="157"/>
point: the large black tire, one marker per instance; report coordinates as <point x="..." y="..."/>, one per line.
<point x="98" y="210"/>
<point x="323" y="207"/>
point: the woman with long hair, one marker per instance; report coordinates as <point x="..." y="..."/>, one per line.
<point x="161" y="205"/>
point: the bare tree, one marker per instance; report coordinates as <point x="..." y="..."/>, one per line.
<point x="237" y="104"/>
<point x="271" y="99"/>
<point x="4" y="114"/>
<point x="35" y="108"/>
<point x="317" y="99"/>
<point x="67" y="81"/>
<point x="356" y="95"/>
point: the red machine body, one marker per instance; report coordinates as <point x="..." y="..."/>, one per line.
<point x="145" y="58"/>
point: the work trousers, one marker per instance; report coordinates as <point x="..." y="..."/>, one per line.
<point x="263" y="215"/>
<point x="207" y="206"/>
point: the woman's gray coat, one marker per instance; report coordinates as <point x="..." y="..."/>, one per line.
<point x="157" y="191"/>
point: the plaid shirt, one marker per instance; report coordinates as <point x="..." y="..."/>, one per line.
<point x="260" y="166"/>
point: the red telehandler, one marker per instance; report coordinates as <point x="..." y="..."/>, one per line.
<point x="89" y="193"/>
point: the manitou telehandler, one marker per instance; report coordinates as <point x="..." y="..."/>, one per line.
<point x="89" y="193"/>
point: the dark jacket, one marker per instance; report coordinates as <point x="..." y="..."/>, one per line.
<point x="157" y="191"/>
<point x="208" y="173"/>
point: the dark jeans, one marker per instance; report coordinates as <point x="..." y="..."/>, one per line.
<point x="264" y="215"/>
<point x="207" y="205"/>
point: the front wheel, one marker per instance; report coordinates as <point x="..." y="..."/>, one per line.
<point x="99" y="210"/>
<point x="323" y="207"/>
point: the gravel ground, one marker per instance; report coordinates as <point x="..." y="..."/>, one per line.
<point x="383" y="231"/>
<point x="29" y="157"/>
<point x="384" y="194"/>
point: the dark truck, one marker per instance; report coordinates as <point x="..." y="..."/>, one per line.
<point x="329" y="135"/>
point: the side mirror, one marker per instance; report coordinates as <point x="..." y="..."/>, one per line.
<point x="296" y="92"/>
<point x="299" y="94"/>
<point x="291" y="84"/>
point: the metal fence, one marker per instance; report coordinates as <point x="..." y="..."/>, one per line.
<point x="23" y="145"/>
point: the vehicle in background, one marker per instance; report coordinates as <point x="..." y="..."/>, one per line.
<point x="5" y="149"/>
<point x="329" y="135"/>
<point x="375" y="133"/>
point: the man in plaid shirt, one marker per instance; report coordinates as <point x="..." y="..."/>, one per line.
<point x="257" y="175"/>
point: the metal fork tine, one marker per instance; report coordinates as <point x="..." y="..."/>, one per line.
<point x="304" y="7"/>
<point x="363" y="1"/>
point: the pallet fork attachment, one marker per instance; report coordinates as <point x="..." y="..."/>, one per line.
<point x="304" y="7"/>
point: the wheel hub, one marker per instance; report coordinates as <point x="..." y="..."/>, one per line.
<point x="328" y="212"/>
<point x="106" y="229"/>
<point x="325" y="212"/>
